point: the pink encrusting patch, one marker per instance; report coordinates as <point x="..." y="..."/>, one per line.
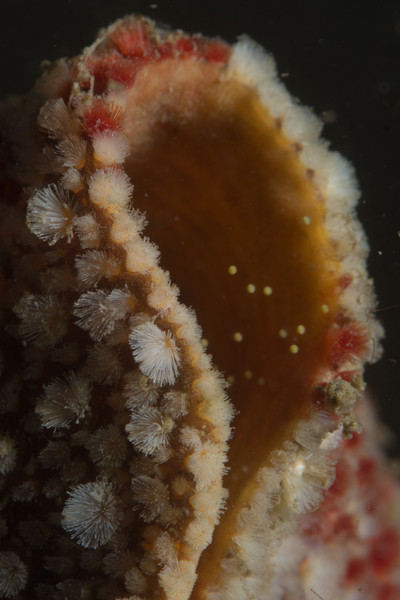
<point x="345" y="280"/>
<point x="347" y="343"/>
<point x="384" y="552"/>
<point x="101" y="116"/>
<point x="388" y="592"/>
<point x="356" y="527"/>
<point x="130" y="48"/>
<point x="111" y="66"/>
<point x="136" y="40"/>
<point x="133" y="41"/>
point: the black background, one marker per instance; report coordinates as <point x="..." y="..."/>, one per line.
<point x="335" y="57"/>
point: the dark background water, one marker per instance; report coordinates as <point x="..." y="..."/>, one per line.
<point x="341" y="58"/>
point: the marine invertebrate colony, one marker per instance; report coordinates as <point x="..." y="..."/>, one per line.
<point x="123" y="473"/>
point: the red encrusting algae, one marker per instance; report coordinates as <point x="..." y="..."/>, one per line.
<point x="117" y="430"/>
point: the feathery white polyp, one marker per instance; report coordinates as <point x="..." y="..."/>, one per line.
<point x="58" y="279"/>
<point x="107" y="447"/>
<point x="117" y="563"/>
<point x="174" y="404"/>
<point x="156" y="352"/>
<point x="165" y="550"/>
<point x="72" y="180"/>
<point x="304" y="481"/>
<point x="139" y="390"/>
<point x="13" y="574"/>
<point x="207" y="460"/>
<point x="50" y="214"/>
<point x="177" y="582"/>
<point x="99" y="310"/>
<point x="141" y="255"/>
<point x="110" y="188"/>
<point x="94" y="265"/>
<point x="110" y="147"/>
<point x="92" y="514"/>
<point x="88" y="231"/>
<point x="148" y="429"/>
<point x="65" y="400"/>
<point x="135" y="581"/>
<point x="8" y="454"/>
<point x="43" y="319"/>
<point x="55" y="455"/>
<point x="72" y="151"/>
<point x="103" y="364"/>
<point x="151" y="494"/>
<point x="56" y="118"/>
<point x="127" y="226"/>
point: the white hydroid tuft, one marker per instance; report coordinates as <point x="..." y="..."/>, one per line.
<point x="51" y="213"/>
<point x="13" y="574"/>
<point x="92" y="514"/>
<point x="156" y="352"/>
